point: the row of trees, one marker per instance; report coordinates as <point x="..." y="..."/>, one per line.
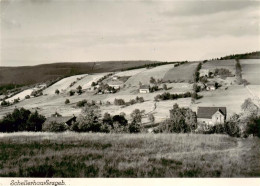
<point x="168" y="96"/>
<point x="196" y="74"/>
<point x="22" y="120"/>
<point x="239" y="78"/>
<point x="121" y="102"/>
<point x="90" y="120"/>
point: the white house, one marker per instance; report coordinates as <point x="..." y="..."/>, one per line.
<point x="211" y="115"/>
<point x="144" y="89"/>
<point x="211" y="86"/>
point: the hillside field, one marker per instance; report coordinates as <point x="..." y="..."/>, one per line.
<point x="182" y="73"/>
<point x="41" y="73"/>
<point x="214" y="64"/>
<point x="251" y="70"/>
<point x="127" y="155"/>
<point x="144" y="76"/>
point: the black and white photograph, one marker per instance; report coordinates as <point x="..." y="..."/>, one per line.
<point x="129" y="89"/>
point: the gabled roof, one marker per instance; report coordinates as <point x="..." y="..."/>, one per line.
<point x="211" y="84"/>
<point x="208" y="112"/>
<point x="62" y="119"/>
<point x="144" y="87"/>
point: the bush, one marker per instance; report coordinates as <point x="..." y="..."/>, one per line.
<point x="71" y="93"/>
<point x="153" y="88"/>
<point x="93" y="84"/>
<point x="16" y="100"/>
<point x="5" y="103"/>
<point x="253" y="127"/>
<point x="67" y="101"/>
<point x="57" y="91"/>
<point x="134" y="127"/>
<point x="79" y="90"/>
<point x="196" y="88"/>
<point x="27" y="97"/>
<point x="55" y="127"/>
<point x="82" y="103"/>
<point x="36" y="93"/>
<point x="139" y="99"/>
<point x="232" y="129"/>
<point x="120" y="119"/>
<point x="216" y="129"/>
<point x="119" y="102"/>
<point x="152" y="80"/>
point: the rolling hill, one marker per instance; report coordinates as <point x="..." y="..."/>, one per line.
<point x="26" y="75"/>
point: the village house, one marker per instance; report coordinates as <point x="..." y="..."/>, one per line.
<point x="115" y="77"/>
<point x="116" y="85"/>
<point x="144" y="89"/>
<point x="68" y="120"/>
<point x="211" y="115"/>
<point x="211" y="86"/>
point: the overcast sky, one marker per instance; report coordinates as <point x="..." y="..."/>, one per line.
<point x="47" y="31"/>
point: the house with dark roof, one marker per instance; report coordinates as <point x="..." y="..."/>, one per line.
<point x="68" y="120"/>
<point x="211" y="115"/>
<point x="144" y="89"/>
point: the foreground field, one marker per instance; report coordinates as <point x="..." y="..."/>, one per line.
<point x="127" y="155"/>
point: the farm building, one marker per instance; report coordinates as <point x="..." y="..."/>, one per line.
<point x="204" y="72"/>
<point x="211" y="86"/>
<point x="144" y="89"/>
<point x="116" y="84"/>
<point x="68" y="120"/>
<point x="115" y="77"/>
<point x="211" y="115"/>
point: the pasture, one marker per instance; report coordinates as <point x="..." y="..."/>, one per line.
<point x="232" y="98"/>
<point x="214" y="64"/>
<point x="127" y="155"/>
<point x="20" y="95"/>
<point x="86" y="81"/>
<point x="63" y="84"/>
<point x="182" y="73"/>
<point x="144" y="76"/>
<point x="251" y="70"/>
<point x="130" y="72"/>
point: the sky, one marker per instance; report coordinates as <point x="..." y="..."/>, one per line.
<point x="46" y="31"/>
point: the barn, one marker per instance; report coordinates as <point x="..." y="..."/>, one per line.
<point x="144" y="89"/>
<point x="68" y="120"/>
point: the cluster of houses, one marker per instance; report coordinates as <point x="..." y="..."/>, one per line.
<point x="206" y="116"/>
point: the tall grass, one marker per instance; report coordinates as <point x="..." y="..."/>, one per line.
<point x="127" y="155"/>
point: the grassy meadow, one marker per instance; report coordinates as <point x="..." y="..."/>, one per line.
<point x="127" y="155"/>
